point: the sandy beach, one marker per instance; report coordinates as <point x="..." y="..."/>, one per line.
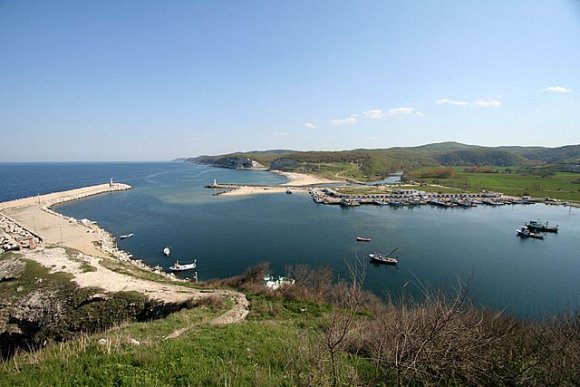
<point x="298" y="182"/>
<point x="92" y="245"/>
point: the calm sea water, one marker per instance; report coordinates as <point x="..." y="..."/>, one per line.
<point x="437" y="247"/>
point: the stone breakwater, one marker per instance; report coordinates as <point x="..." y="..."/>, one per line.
<point x="64" y="196"/>
<point x="34" y="216"/>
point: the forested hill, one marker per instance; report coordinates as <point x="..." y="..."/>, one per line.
<point x="374" y="163"/>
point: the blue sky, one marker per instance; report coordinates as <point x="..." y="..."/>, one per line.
<point x="155" y="80"/>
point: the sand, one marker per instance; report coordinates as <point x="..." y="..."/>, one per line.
<point x="301" y="179"/>
<point x="92" y="245"/>
<point x="298" y="182"/>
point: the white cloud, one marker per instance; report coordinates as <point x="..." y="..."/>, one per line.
<point x="487" y="103"/>
<point x="400" y="111"/>
<point x="343" y="121"/>
<point x="279" y="134"/>
<point x="483" y="103"/>
<point x="310" y="125"/>
<point x="447" y="101"/>
<point x="374" y="114"/>
<point x="557" y="89"/>
<point x="372" y="138"/>
<point x="420" y="114"/>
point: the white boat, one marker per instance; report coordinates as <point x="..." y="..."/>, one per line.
<point x="126" y="236"/>
<point x="384" y="258"/>
<point x="380" y="258"/>
<point x="183" y="266"/>
<point x="166" y="251"/>
<point x="274" y="283"/>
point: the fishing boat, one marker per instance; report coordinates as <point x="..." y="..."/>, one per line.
<point x="126" y="236"/>
<point x="349" y="203"/>
<point x="183" y="266"/>
<point x="384" y="258"/>
<point x="536" y="225"/>
<point x="166" y="251"/>
<point x="362" y="239"/>
<point x="274" y="283"/>
<point x="524" y="232"/>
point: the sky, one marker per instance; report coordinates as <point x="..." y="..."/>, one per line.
<point x="156" y="80"/>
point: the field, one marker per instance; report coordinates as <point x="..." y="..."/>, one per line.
<point x="561" y="185"/>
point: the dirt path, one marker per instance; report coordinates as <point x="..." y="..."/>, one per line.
<point x="92" y="246"/>
<point x="88" y="271"/>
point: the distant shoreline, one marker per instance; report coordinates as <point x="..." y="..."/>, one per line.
<point x="297" y="182"/>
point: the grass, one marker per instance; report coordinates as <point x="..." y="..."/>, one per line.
<point x="314" y="333"/>
<point x="561" y="185"/>
<point x="120" y="267"/>
<point x="266" y="350"/>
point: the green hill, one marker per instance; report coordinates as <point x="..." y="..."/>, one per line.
<point x="374" y="164"/>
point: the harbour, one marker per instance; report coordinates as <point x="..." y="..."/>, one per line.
<point x="169" y="206"/>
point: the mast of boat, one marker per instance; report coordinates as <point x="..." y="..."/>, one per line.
<point x="396" y="248"/>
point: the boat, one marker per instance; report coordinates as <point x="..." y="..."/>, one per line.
<point x="349" y="203"/>
<point x="126" y="236"/>
<point x="384" y="258"/>
<point x="536" y="225"/>
<point x="166" y="251"/>
<point x="288" y="191"/>
<point x="274" y="283"/>
<point x="362" y="239"/>
<point x="183" y="266"/>
<point x="524" y="232"/>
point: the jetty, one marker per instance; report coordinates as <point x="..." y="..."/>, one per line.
<point x="30" y="221"/>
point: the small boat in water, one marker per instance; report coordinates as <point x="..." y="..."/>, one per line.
<point x="126" y="236"/>
<point x="524" y="232"/>
<point x="166" y="251"/>
<point x="536" y="225"/>
<point x="384" y="258"/>
<point x="183" y="266"/>
<point x="362" y="239"/>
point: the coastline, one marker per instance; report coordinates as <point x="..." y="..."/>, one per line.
<point x="93" y="244"/>
<point x="297" y="182"/>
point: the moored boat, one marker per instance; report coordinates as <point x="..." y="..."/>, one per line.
<point x="524" y="232"/>
<point x="380" y="258"/>
<point x="362" y="239"/>
<point x="385" y="258"/>
<point x="183" y="266"/>
<point x="536" y="225"/>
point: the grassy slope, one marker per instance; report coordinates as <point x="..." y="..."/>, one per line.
<point x="263" y="351"/>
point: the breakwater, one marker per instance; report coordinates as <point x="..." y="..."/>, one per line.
<point x="64" y="196"/>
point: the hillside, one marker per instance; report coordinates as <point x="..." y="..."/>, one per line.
<point x="317" y="332"/>
<point x="375" y="164"/>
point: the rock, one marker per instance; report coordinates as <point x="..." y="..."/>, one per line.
<point x="102" y="341"/>
<point x="10" y="269"/>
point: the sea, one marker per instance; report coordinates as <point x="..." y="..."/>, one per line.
<point x="439" y="250"/>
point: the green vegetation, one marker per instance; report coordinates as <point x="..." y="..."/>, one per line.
<point x="315" y="333"/>
<point x="537" y="171"/>
<point x="39" y="307"/>
<point x="559" y="185"/>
